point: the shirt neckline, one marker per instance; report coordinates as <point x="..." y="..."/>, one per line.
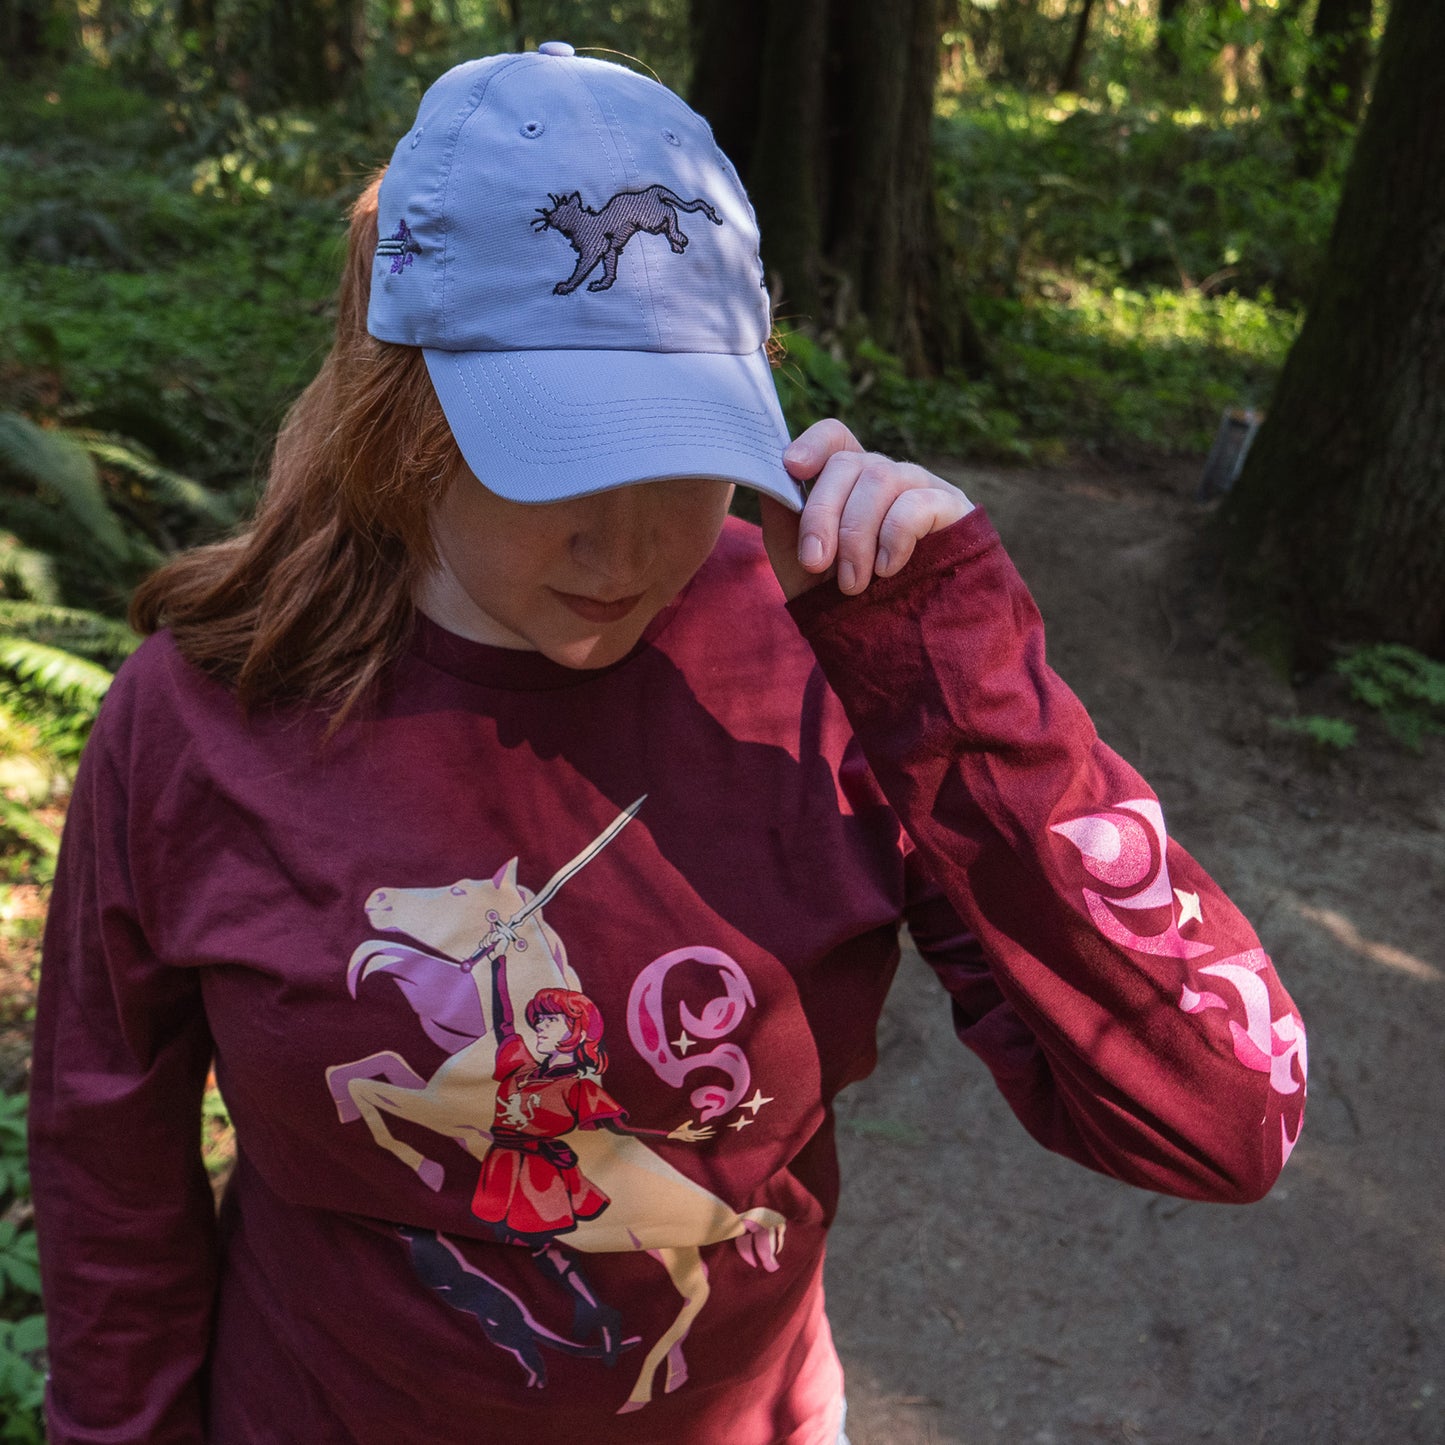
<point x="516" y="669"/>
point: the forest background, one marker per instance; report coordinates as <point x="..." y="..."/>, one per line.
<point x="1123" y="213"/>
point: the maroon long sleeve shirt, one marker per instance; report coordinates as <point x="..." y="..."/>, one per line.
<point x="327" y="922"/>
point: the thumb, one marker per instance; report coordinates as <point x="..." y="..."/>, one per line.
<point x="780" y="537"/>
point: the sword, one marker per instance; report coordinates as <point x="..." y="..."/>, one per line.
<point x="506" y="932"/>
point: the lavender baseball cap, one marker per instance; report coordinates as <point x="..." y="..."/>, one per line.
<point x="579" y="262"/>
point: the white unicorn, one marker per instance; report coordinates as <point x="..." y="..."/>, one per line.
<point x="471" y="1004"/>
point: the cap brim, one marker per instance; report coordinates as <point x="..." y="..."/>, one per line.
<point x="541" y="426"/>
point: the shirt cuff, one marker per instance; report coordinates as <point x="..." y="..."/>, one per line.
<point x="934" y="558"/>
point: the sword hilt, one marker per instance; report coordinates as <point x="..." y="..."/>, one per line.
<point x="501" y="933"/>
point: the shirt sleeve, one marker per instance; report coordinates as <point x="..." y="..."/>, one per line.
<point x="512" y="1058"/>
<point x="124" y="1212"/>
<point x="1122" y="1002"/>
<point x="592" y="1106"/>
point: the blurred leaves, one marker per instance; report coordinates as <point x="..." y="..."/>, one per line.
<point x="60" y="464"/>
<point x="22" y="1327"/>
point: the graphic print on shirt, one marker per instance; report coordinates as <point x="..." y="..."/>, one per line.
<point x="1125" y="848"/>
<point x="562" y="1170"/>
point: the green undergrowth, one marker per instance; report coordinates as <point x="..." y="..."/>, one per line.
<point x="170" y="277"/>
<point x="1099" y="365"/>
<point x="1151" y="196"/>
<point x="1394" y="685"/>
<point x="1077" y="365"/>
<point x="22" y="1326"/>
<point x="1133" y="270"/>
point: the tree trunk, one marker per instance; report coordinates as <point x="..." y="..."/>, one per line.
<point x="1334" y="91"/>
<point x="1341" y="61"/>
<point x="512" y="14"/>
<point x="826" y="108"/>
<point x="727" y="87"/>
<point x="1169" y="45"/>
<point x="1337" y="524"/>
<point x="1018" y="28"/>
<point x="1074" y="64"/>
<point x="1274" y="52"/>
<point x="196" y="22"/>
<point x="787" y="167"/>
<point x="315" y="50"/>
<point x="33" y="34"/>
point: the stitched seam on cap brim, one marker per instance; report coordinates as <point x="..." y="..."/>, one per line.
<point x="638" y="412"/>
<point x="609" y="445"/>
<point x="453" y="145"/>
<point x="518" y="361"/>
<point x="570" y="414"/>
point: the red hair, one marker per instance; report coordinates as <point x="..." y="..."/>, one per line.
<point x="584" y="1023"/>
<point x="312" y="601"/>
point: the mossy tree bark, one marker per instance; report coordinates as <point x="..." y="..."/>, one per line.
<point x="306" y="51"/>
<point x="196" y="21"/>
<point x="33" y="34"/>
<point x="1278" y="42"/>
<point x="1334" y="88"/>
<point x="1074" y="62"/>
<point x="1337" y="524"/>
<point x="1169" y="44"/>
<point x="826" y="108"/>
<point x="1341" y="61"/>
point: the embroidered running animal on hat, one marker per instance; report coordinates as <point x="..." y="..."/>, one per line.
<point x="601" y="235"/>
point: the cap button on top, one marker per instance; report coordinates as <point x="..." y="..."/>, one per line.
<point x="555" y="47"/>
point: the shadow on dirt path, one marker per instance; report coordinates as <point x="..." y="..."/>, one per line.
<point x="984" y="1292"/>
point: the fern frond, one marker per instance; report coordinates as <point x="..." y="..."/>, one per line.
<point x="27" y="571"/>
<point x="1405" y="687"/>
<point x="70" y="627"/>
<point x="17" y="819"/>
<point x="19" y="738"/>
<point x="54" y="459"/>
<point x="55" y="674"/>
<point x="178" y="490"/>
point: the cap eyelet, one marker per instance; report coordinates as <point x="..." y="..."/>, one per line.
<point x="531" y="129"/>
<point x="416" y="137"/>
<point x="671" y="138"/>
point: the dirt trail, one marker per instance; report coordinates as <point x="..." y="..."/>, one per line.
<point x="984" y="1292"/>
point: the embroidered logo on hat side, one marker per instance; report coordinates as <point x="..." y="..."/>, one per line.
<point x="599" y="236"/>
<point x="400" y="246"/>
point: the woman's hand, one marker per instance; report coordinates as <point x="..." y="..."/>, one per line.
<point x="863" y="516"/>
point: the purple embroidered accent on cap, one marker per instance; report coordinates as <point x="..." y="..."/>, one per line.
<point x="400" y="247"/>
<point x="601" y="235"/>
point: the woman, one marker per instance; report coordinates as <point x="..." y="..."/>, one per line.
<point x="530" y="1187"/>
<point x="491" y="596"/>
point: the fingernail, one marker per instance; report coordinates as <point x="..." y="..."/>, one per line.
<point x="846" y="576"/>
<point x="880" y="565"/>
<point x="796" y="453"/>
<point x="810" y="550"/>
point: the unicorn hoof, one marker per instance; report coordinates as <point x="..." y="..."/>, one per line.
<point x="431" y="1174"/>
<point x="759" y="1244"/>
<point x="338" y="1081"/>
